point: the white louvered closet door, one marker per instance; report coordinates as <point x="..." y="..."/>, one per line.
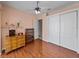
<point x="68" y="34"/>
<point x="53" y="29"/>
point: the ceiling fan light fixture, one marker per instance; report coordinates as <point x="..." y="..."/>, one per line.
<point x="37" y="9"/>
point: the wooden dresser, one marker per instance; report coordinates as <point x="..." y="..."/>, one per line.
<point x="14" y="42"/>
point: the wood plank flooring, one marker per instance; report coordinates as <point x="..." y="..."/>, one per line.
<point x="41" y="49"/>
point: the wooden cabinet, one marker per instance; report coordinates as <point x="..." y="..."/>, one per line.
<point x="14" y="42"/>
<point x="29" y="35"/>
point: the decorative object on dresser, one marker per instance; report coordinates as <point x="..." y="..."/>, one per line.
<point x="29" y="35"/>
<point x="12" y="32"/>
<point x="14" y="42"/>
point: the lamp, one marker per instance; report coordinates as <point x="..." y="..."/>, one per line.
<point x="37" y="9"/>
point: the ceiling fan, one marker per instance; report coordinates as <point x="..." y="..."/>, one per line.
<point x="37" y="9"/>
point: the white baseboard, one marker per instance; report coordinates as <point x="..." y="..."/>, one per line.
<point x="44" y="40"/>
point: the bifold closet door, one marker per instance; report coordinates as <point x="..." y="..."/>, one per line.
<point x="68" y="33"/>
<point x="53" y="29"/>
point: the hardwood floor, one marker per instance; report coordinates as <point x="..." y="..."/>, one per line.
<point x="41" y="49"/>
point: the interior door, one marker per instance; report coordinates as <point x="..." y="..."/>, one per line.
<point x="53" y="29"/>
<point x="68" y="30"/>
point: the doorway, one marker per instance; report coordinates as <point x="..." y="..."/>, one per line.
<point x="40" y="29"/>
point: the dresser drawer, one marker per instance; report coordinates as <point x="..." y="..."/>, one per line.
<point x="8" y="45"/>
<point x="21" y="40"/>
<point x="7" y="40"/>
<point x="20" y="45"/>
<point x="21" y="37"/>
<point x="13" y="41"/>
<point x="14" y="47"/>
<point x="8" y="50"/>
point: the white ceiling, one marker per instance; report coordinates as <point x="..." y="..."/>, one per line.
<point x="30" y="5"/>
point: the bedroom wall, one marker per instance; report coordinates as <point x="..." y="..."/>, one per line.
<point x="13" y="16"/>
